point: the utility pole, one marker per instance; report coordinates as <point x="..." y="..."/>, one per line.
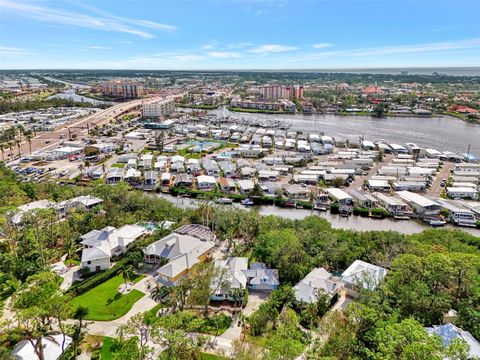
<point x="468" y="153"/>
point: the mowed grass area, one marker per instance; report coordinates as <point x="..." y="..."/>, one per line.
<point x="105" y="303"/>
<point x="106" y="349"/>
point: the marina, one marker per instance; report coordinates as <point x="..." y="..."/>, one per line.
<point x="433" y="132"/>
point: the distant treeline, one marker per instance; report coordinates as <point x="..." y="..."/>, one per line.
<point x="286" y="77"/>
<point x="7" y="106"/>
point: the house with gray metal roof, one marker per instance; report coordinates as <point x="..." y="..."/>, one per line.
<point x="318" y="280"/>
<point x="180" y="252"/>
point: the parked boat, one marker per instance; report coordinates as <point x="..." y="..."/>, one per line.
<point x="247" y="202"/>
<point x="437" y="223"/>
<point x="225" y="201"/>
<point x="290" y="203"/>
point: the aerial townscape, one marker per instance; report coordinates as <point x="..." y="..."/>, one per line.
<point x="243" y="180"/>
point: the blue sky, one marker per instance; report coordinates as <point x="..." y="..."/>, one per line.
<point x="238" y="34"/>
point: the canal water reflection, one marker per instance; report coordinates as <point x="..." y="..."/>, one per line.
<point x="338" y="222"/>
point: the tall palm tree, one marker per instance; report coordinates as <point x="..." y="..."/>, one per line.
<point x="312" y="196"/>
<point x="72" y="248"/>
<point x="29" y="136"/>
<point x="10" y="146"/>
<point x="79" y="314"/>
<point x="20" y="131"/>
<point x="17" y="142"/>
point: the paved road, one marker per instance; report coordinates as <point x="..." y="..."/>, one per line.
<point x="444" y="172"/>
<point x="358" y="182"/>
<point x="78" y="127"/>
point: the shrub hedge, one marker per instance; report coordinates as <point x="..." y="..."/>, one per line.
<point x="98" y="278"/>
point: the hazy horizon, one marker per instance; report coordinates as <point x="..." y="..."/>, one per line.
<point x="449" y="71"/>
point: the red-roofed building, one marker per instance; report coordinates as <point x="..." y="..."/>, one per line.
<point x="373" y="89"/>
<point x="463" y="109"/>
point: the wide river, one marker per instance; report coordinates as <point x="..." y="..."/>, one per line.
<point x="338" y="222"/>
<point x="442" y="133"/>
<point x="70" y="94"/>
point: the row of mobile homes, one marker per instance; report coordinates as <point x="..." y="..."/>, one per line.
<point x="415" y="186"/>
<point x="183" y="180"/>
<point x="425" y="208"/>
<point x="467" y="167"/>
<point x="393" y="205"/>
<point x="398" y="149"/>
<point x="206" y="183"/>
<point x="363" y="200"/>
<point x="458" y="214"/>
<point x="227" y="185"/>
<point x="340" y="196"/>
<point x="462" y="193"/>
<point x="378" y="185"/>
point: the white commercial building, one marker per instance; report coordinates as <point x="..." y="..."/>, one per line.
<point x="158" y="108"/>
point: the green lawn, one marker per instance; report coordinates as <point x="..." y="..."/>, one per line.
<point x="105" y="351"/>
<point x="105" y="303"/>
<point x="118" y="165"/>
<point x="206" y="356"/>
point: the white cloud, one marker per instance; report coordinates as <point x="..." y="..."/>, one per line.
<point x="95" y="47"/>
<point x="210" y="45"/>
<point x="185" y="57"/>
<point x="107" y="22"/>
<point x="321" y="45"/>
<point x="179" y="57"/>
<point x="13" y="51"/>
<point x="224" y="55"/>
<point x="392" y="50"/>
<point x="272" y="48"/>
<point x="240" y="45"/>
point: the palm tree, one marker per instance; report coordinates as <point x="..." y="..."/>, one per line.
<point x="29" y="136"/>
<point x="72" y="248"/>
<point x="312" y="199"/>
<point x="79" y="314"/>
<point x="19" y="147"/>
<point x="10" y="146"/>
<point x="21" y="131"/>
<point x="127" y="273"/>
